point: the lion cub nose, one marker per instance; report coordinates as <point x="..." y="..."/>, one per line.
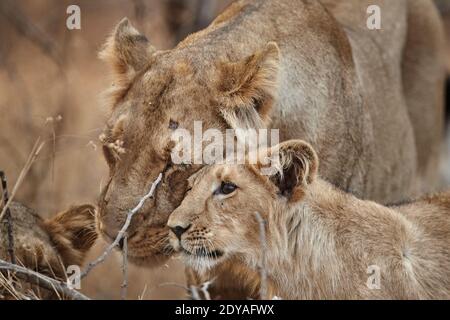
<point x="179" y="230"/>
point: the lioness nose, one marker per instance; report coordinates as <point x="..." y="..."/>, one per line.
<point x="179" y="230"/>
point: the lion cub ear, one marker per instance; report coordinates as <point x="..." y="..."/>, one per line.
<point x="247" y="88"/>
<point x="297" y="166"/>
<point x="73" y="233"/>
<point x="127" y="51"/>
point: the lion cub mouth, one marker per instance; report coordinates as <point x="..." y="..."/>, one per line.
<point x="204" y="253"/>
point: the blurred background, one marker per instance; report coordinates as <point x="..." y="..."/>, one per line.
<point x="50" y="86"/>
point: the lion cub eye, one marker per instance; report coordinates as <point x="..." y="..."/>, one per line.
<point x="173" y="125"/>
<point x="225" y="188"/>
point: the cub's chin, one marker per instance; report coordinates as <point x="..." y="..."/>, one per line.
<point x="202" y="261"/>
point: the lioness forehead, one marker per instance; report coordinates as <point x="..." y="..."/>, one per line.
<point x="155" y="96"/>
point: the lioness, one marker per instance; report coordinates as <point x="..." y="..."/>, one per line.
<point x="46" y="246"/>
<point x="320" y="241"/>
<point x="369" y="102"/>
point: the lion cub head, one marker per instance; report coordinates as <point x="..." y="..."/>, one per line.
<point x="46" y="246"/>
<point x="218" y="218"/>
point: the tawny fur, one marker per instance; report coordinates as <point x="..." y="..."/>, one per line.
<point x="48" y="246"/>
<point x="322" y="243"/>
<point x="369" y="101"/>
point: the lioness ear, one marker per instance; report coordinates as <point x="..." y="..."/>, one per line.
<point x="73" y="233"/>
<point x="247" y="88"/>
<point x="126" y="50"/>
<point x="298" y="165"/>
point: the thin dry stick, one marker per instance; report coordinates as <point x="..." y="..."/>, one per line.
<point x="53" y="152"/>
<point x="122" y="231"/>
<point x="173" y="284"/>
<point x="142" y="295"/>
<point x="8" y="219"/>
<point x="193" y="290"/>
<point x="262" y="266"/>
<point x="42" y="280"/>
<point x="204" y="288"/>
<point x="32" y="157"/>
<point x="124" y="285"/>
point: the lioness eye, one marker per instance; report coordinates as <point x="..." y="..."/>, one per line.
<point x="226" y="188"/>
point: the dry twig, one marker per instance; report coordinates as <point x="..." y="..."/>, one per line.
<point x="193" y="291"/>
<point x="195" y="295"/>
<point x="122" y="231"/>
<point x="42" y="281"/>
<point x="205" y="287"/>
<point x="262" y="265"/>
<point x="124" y="285"/>
<point x="33" y="155"/>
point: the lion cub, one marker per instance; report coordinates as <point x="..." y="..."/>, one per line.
<point x="321" y="243"/>
<point x="45" y="246"/>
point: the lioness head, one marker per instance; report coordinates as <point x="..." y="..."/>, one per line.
<point x="47" y="246"/>
<point x="220" y="216"/>
<point x="154" y="94"/>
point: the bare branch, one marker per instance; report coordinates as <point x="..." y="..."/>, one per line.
<point x="193" y="290"/>
<point x="42" y="281"/>
<point x="262" y="264"/>
<point x="33" y="155"/>
<point x="173" y="284"/>
<point x="204" y="288"/>
<point x="124" y="285"/>
<point x="122" y="231"/>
